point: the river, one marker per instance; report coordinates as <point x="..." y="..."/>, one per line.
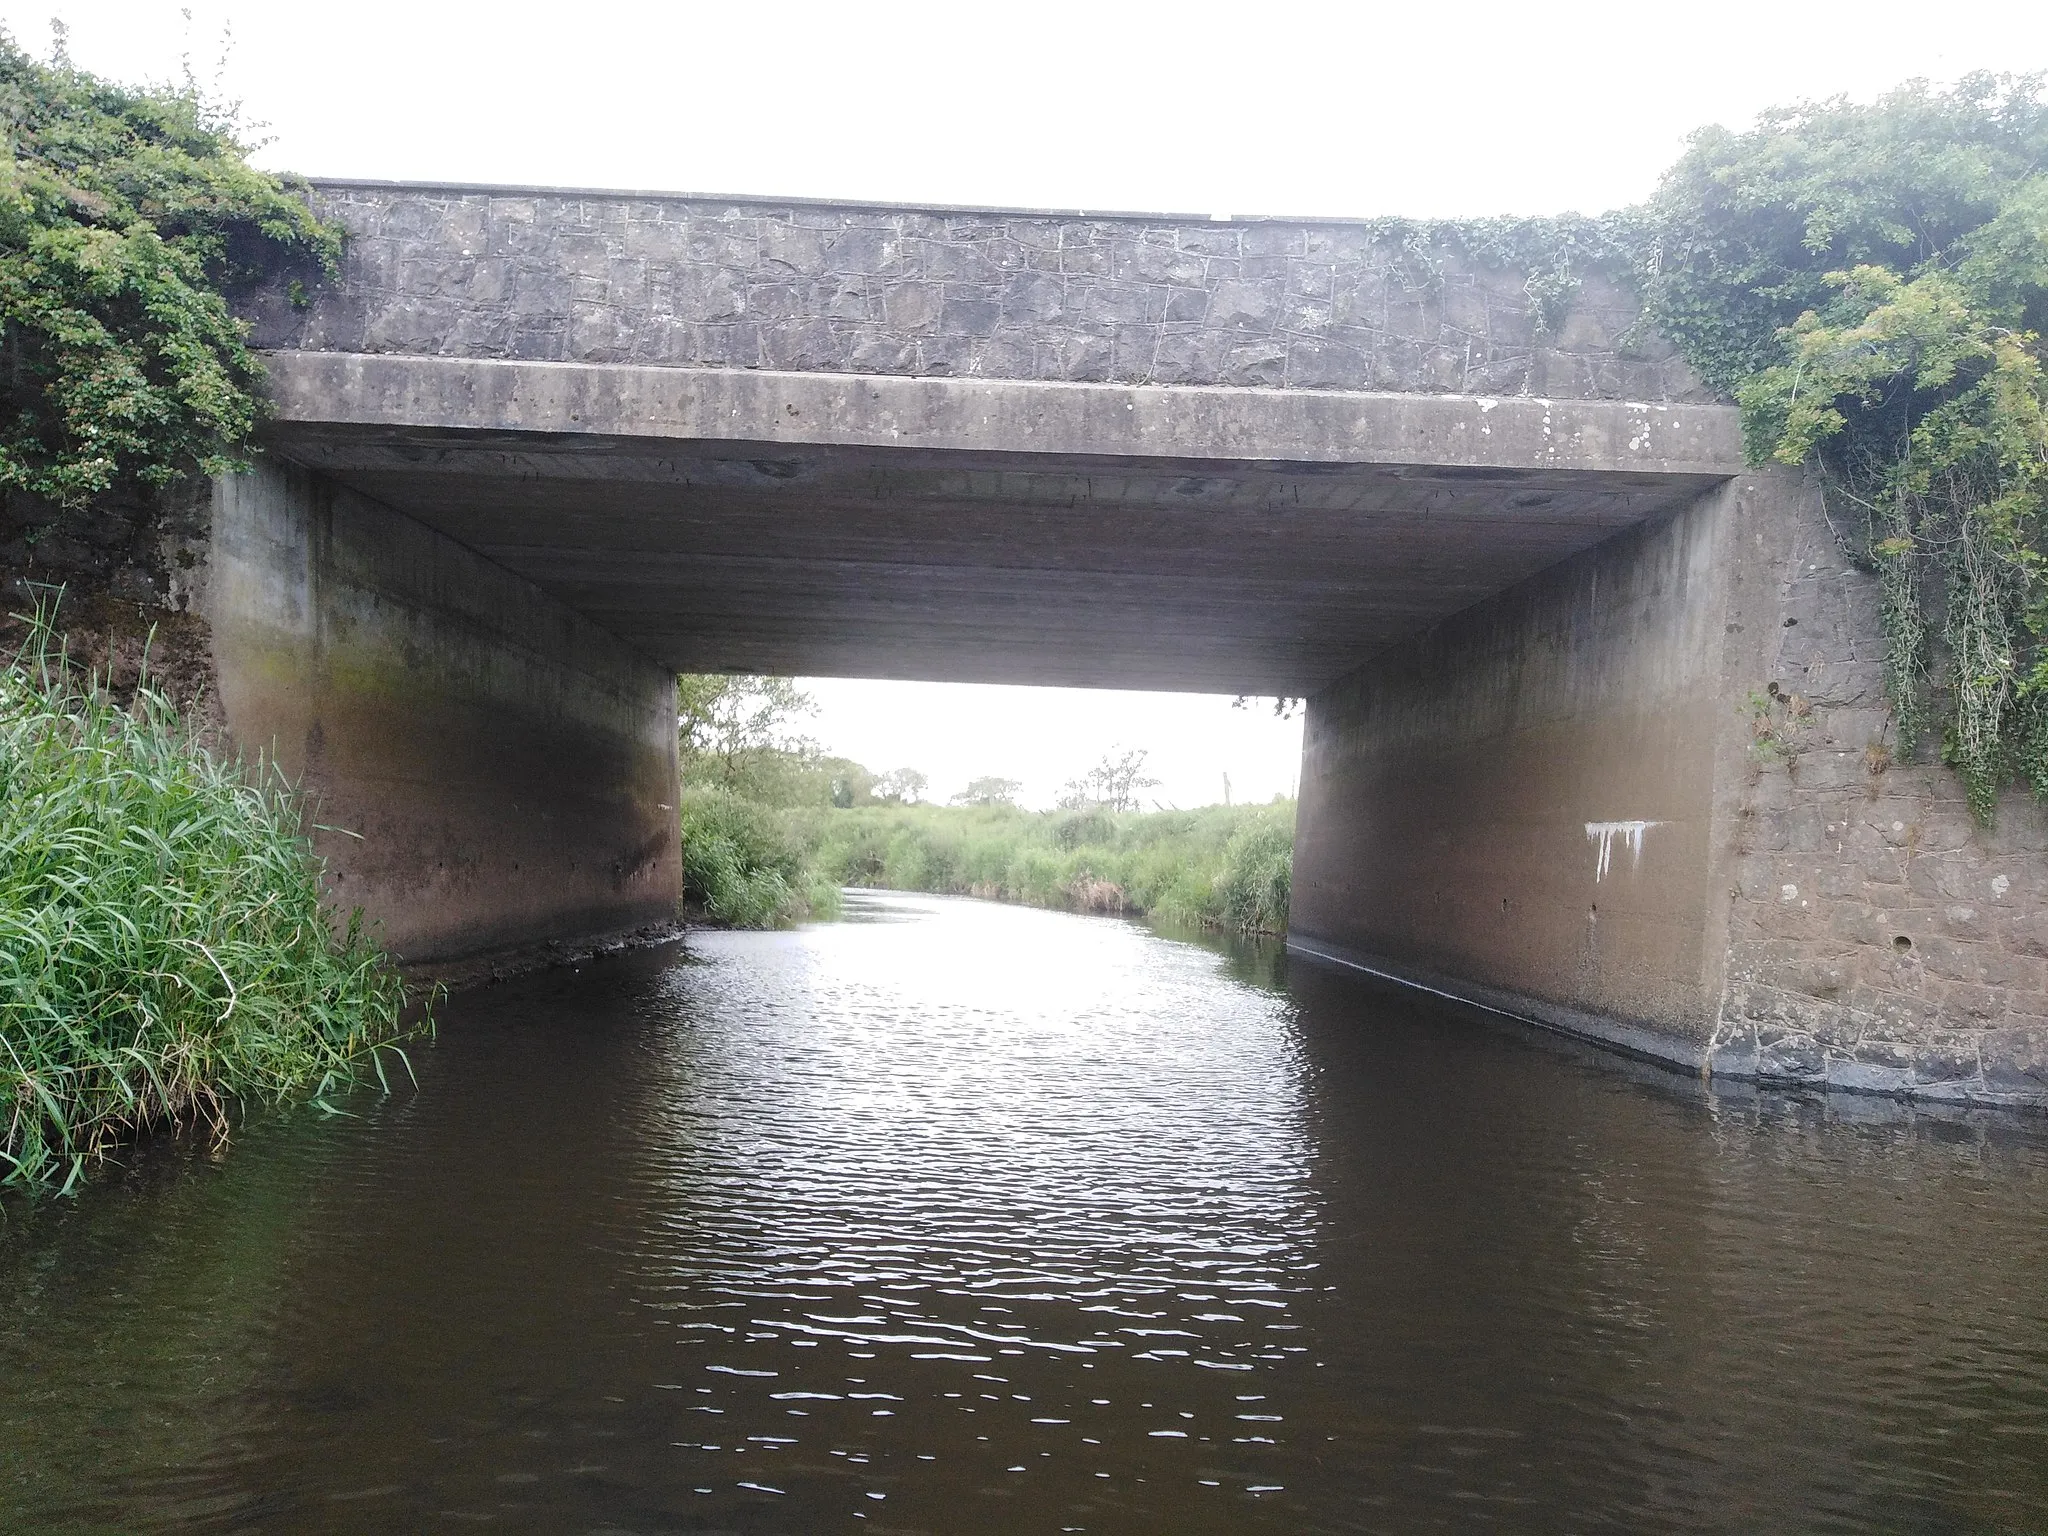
<point x="955" y="1217"/>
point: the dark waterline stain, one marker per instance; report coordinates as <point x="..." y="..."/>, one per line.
<point x="972" y="1218"/>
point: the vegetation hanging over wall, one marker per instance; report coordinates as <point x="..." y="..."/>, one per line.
<point x="163" y="949"/>
<point x="1870" y="283"/>
<point x="126" y="216"/>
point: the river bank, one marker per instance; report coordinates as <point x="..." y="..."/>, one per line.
<point x="750" y="864"/>
<point x="165" y="953"/>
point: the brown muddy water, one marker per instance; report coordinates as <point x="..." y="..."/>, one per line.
<point x="966" y="1218"/>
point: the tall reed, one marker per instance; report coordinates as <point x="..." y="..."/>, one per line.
<point x="164" y="951"/>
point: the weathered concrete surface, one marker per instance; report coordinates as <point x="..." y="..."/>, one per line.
<point x="561" y="275"/>
<point x="1232" y="540"/>
<point x="760" y="409"/>
<point x="491" y="771"/>
<point x="1448" y="787"/>
<point x="1557" y="804"/>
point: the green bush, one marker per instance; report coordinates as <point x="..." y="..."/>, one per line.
<point x="124" y="216"/>
<point x="1258" y="872"/>
<point x="741" y="865"/>
<point x="164" y="951"/>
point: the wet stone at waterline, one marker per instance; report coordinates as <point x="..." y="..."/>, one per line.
<point x="965" y="1217"/>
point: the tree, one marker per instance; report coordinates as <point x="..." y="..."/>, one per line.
<point x="1112" y="783"/>
<point x="901" y="786"/>
<point x="125" y="215"/>
<point x="1284" y="706"/>
<point x="989" y="790"/>
<point x="1871" y="283"/>
<point x="726" y="723"/>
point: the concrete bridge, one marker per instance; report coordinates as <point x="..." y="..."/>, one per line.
<point x="1592" y="707"/>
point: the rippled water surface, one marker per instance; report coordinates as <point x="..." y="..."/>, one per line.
<point x="964" y="1218"/>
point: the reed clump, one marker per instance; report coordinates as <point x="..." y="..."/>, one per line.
<point x="164" y="949"/>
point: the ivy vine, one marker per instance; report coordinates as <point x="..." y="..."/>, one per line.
<point x="1870" y="283"/>
<point x="126" y="216"/>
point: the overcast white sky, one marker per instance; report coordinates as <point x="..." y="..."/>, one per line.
<point x="1281" y="107"/>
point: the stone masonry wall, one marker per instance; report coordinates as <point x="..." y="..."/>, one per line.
<point x="1879" y="937"/>
<point x="690" y="282"/>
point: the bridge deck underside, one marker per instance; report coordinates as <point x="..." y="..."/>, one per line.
<point x="1216" y="576"/>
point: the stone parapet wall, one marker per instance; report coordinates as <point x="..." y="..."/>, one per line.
<point x="562" y="276"/>
<point x="1879" y="937"/>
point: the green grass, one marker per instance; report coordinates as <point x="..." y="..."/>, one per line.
<point x="164" y="950"/>
<point x="743" y="866"/>
<point x="1221" y="866"/>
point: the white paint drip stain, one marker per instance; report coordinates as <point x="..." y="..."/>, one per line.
<point x="1605" y="832"/>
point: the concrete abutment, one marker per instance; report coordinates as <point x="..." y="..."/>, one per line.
<point x="488" y="771"/>
<point x="1646" y="797"/>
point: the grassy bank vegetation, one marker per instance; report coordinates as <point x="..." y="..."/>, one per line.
<point x="163" y="948"/>
<point x="1219" y="866"/>
<point x="772" y="828"/>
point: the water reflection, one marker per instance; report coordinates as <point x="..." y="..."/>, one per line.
<point x="959" y="1217"/>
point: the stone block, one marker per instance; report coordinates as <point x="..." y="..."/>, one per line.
<point x="1358" y="299"/>
<point x="1085" y="260"/>
<point x="1322" y="364"/>
<point x="1242" y="306"/>
<point x="1084" y="359"/>
<point x="969" y="317"/>
<point x="872" y="350"/>
<point x="1210" y="240"/>
<point x="1968" y="1003"/>
<point x="1499" y="376"/>
<point x="1959" y="921"/>
<point x="704" y="293"/>
<point x="1113" y="304"/>
<point x="1190" y="356"/>
<point x="803" y="344"/>
<point x="2014" y="1056"/>
<point x="1145" y="263"/>
<point x="1274" y="238"/>
<point x="1852" y="922"/>
<point x="784" y="246"/>
<point x="1007" y="354"/>
<point x="1894" y="1014"/>
<point x="865" y="251"/>
<point x="1034" y="298"/>
<point x="1304" y="317"/>
<point x="2023" y="932"/>
<point x="1256" y="363"/>
<point x="1311" y="280"/>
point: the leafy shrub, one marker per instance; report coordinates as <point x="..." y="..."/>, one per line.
<point x="742" y="866"/>
<point x="1871" y="283"/>
<point x="123" y="217"/>
<point x="1258" y="872"/>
